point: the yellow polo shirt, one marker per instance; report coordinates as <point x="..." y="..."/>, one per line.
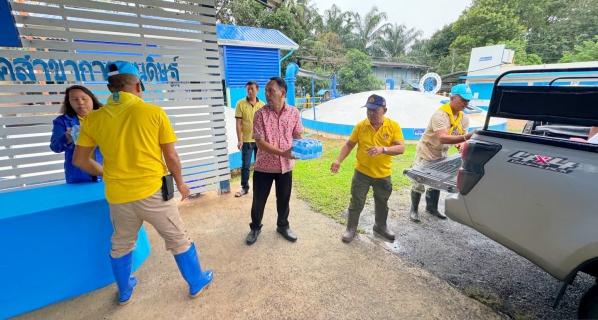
<point x="245" y="111"/>
<point x="365" y="136"/>
<point x="129" y="132"/>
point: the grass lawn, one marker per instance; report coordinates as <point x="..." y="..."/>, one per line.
<point x="329" y="193"/>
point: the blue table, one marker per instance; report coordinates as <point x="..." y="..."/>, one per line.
<point x="55" y="245"/>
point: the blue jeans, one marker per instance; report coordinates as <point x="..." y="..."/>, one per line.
<point x="247" y="150"/>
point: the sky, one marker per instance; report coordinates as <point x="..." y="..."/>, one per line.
<point x="428" y="16"/>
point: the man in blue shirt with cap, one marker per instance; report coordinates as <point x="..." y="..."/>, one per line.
<point x="448" y="126"/>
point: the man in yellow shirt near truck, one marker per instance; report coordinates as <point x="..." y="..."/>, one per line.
<point x="134" y="137"/>
<point x="378" y="139"/>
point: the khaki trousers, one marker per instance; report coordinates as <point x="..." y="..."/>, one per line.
<point x="127" y="219"/>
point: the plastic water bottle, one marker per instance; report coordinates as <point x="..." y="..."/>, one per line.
<point x="310" y="149"/>
<point x="75" y="132"/>
<point x="304" y="150"/>
<point x="295" y="150"/>
<point x="301" y="151"/>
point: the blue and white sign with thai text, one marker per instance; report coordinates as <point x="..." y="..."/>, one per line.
<point x="22" y="69"/>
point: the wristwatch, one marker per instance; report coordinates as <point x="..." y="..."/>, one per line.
<point x="384" y="150"/>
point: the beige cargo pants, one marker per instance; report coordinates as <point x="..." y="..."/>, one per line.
<point x="127" y="219"/>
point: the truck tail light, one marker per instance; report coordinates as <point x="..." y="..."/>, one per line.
<point x="475" y="155"/>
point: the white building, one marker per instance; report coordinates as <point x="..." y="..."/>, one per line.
<point x="487" y="63"/>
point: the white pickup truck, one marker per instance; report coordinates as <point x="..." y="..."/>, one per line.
<point x="534" y="192"/>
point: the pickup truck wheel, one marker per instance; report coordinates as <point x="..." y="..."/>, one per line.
<point x="588" y="307"/>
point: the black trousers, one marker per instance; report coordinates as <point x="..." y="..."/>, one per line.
<point x="262" y="184"/>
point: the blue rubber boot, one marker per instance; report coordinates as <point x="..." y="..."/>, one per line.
<point x="121" y="267"/>
<point x="188" y="263"/>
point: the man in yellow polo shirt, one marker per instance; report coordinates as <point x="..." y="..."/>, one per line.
<point x="134" y="136"/>
<point x="244" y="112"/>
<point x="378" y="139"/>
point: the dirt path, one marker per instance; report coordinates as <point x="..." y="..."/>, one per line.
<point x="318" y="277"/>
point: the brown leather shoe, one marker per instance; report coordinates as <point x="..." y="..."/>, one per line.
<point x="385" y="232"/>
<point x="349" y="235"/>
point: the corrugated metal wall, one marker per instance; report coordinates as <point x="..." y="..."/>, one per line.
<point x="246" y="63"/>
<point x="69" y="42"/>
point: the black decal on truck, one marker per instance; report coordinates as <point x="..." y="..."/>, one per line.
<point x="556" y="164"/>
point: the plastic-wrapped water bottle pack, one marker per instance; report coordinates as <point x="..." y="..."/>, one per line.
<point x="306" y="149"/>
<point x="75" y="132"/>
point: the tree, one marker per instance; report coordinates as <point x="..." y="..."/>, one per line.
<point x="588" y="51"/>
<point x="356" y="74"/>
<point x="369" y="29"/>
<point x="396" y="41"/>
<point x="224" y="11"/>
<point x="569" y="23"/>
<point x="305" y="82"/>
<point x="283" y="20"/>
<point x="522" y="58"/>
<point x="486" y="21"/>
<point x="306" y="14"/>
<point x="449" y="64"/>
<point x="338" y="22"/>
<point x="533" y="14"/>
<point x="418" y="54"/>
<point x="247" y="13"/>
<point x="326" y="48"/>
<point x="440" y="42"/>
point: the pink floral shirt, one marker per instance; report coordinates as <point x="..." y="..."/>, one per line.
<point x="277" y="130"/>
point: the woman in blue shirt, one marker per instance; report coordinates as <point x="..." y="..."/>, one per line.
<point x="78" y="103"/>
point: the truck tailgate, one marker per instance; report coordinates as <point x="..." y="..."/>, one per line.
<point x="441" y="174"/>
<point x="539" y="197"/>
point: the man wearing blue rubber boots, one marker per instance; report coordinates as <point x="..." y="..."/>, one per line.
<point x="136" y="136"/>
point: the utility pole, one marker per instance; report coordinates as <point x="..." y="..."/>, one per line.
<point x="453" y="63"/>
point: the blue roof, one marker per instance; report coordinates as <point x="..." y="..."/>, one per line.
<point x="253" y="37"/>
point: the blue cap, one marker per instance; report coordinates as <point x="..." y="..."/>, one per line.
<point x="375" y="101"/>
<point x="462" y="90"/>
<point x="124" y="67"/>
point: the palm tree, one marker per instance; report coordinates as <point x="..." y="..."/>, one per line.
<point x="338" y="22"/>
<point x="306" y="14"/>
<point x="370" y="29"/>
<point x="396" y="41"/>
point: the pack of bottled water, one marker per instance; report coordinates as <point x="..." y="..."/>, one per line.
<point x="306" y="149"/>
<point x="75" y="132"/>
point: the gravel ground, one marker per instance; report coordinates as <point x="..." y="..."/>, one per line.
<point x="476" y="265"/>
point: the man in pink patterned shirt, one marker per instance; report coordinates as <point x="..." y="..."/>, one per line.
<point x="275" y="125"/>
